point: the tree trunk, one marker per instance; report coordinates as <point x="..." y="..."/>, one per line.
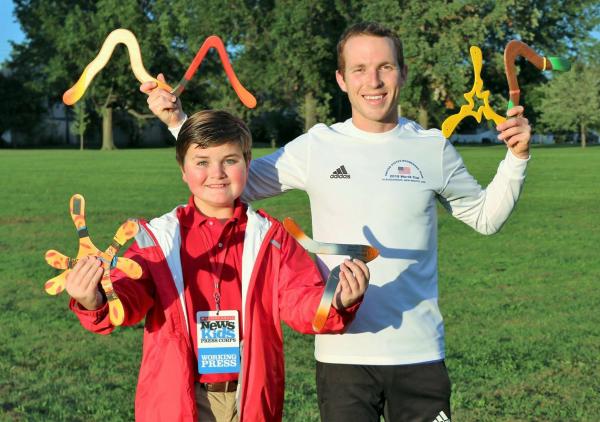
<point x="310" y="111"/>
<point x="81" y="141"/>
<point x="582" y="135"/>
<point x="423" y="117"/>
<point x="107" y="133"/>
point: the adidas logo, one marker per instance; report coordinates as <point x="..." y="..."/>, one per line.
<point x="441" y="417"/>
<point x="340" y="173"/>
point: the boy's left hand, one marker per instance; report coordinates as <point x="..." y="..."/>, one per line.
<point x="516" y="132"/>
<point x="354" y="280"/>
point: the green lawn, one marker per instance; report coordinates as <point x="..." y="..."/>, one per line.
<point x="521" y="307"/>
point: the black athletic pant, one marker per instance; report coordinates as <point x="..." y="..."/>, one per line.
<point x="401" y="393"/>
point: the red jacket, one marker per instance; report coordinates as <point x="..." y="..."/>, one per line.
<point x="279" y="283"/>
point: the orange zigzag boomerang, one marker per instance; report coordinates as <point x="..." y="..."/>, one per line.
<point x="109" y="260"/>
<point x="126" y="37"/>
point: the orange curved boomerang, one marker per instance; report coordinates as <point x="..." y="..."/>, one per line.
<point x="513" y="49"/>
<point x="126" y="37"/>
<point x="215" y="42"/>
<point x="517" y="48"/>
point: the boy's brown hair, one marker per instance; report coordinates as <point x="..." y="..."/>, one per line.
<point x="210" y="128"/>
<point x="372" y="29"/>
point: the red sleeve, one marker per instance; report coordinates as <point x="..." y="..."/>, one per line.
<point x="300" y="287"/>
<point x="137" y="297"/>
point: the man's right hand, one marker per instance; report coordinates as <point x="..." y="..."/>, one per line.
<point x="163" y="104"/>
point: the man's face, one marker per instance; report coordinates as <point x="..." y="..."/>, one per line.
<point x="216" y="176"/>
<point x="372" y="79"/>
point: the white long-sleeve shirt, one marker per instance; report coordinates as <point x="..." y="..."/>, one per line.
<point x="380" y="189"/>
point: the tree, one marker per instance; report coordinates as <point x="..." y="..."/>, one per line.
<point x="81" y="122"/>
<point x="62" y="37"/>
<point x="437" y="35"/>
<point x="284" y="52"/>
<point x="304" y="35"/>
<point x="22" y="106"/>
<point x="571" y="101"/>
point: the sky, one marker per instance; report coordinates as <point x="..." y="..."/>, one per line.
<point x="9" y="29"/>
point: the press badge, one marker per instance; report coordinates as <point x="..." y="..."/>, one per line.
<point x="218" y="342"/>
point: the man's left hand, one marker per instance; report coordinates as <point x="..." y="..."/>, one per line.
<point x="516" y="132"/>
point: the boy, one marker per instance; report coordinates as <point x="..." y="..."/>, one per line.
<point x="215" y="254"/>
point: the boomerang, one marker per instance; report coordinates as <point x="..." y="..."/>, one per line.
<point x="132" y="269"/>
<point x="365" y="253"/>
<point x="518" y="48"/>
<point x="126" y="37"/>
<point x="513" y="49"/>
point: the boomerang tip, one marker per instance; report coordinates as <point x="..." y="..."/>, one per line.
<point x="70" y="97"/>
<point x="50" y="254"/>
<point x="372" y="253"/>
<point x="116" y="312"/>
<point x="319" y="321"/>
<point x="74" y="94"/>
<point x="293" y="228"/>
<point x="77" y="204"/>
<point x="56" y="285"/>
<point x="127" y="230"/>
<point x="56" y="260"/>
<point x="248" y="100"/>
<point x="560" y="63"/>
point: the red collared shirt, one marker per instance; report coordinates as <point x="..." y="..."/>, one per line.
<point x="206" y="242"/>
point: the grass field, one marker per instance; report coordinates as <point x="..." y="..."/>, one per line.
<point x="521" y="308"/>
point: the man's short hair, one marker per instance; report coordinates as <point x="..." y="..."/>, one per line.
<point x="372" y="29"/>
<point x="210" y="128"/>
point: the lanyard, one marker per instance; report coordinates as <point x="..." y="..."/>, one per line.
<point x="216" y="265"/>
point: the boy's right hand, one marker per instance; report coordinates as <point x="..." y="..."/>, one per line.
<point x="82" y="283"/>
<point x="354" y="280"/>
<point x="163" y="104"/>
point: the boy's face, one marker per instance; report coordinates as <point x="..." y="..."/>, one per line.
<point x="216" y="177"/>
<point x="372" y="79"/>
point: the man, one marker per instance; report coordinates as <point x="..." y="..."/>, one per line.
<point x="374" y="179"/>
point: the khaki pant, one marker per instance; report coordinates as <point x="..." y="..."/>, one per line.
<point x="215" y="407"/>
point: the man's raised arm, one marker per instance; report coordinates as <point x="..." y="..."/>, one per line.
<point x="164" y="105"/>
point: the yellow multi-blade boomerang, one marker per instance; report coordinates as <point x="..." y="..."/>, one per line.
<point x="513" y="50"/>
<point x="57" y="260"/>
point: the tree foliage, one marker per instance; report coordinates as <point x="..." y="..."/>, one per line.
<point x="62" y="37"/>
<point x="21" y="107"/>
<point x="284" y="52"/>
<point x="80" y="122"/>
<point x="437" y="35"/>
<point x="571" y="101"/>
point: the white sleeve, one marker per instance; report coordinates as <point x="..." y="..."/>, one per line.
<point x="285" y="169"/>
<point x="485" y="210"/>
<point x="175" y="130"/>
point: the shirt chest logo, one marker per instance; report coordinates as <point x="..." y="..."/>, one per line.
<point x="340" y="173"/>
<point x="403" y="171"/>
